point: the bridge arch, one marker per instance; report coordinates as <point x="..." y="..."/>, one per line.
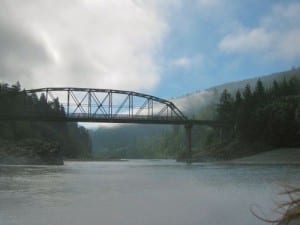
<point x="109" y="105"/>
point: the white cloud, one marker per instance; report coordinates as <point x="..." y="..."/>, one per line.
<point x="246" y="40"/>
<point x="208" y="3"/>
<point x="182" y="62"/>
<point x="276" y="36"/>
<point x="186" y="62"/>
<point x="289" y="45"/>
<point x="89" y="43"/>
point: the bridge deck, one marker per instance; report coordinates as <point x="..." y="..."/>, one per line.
<point x="113" y="119"/>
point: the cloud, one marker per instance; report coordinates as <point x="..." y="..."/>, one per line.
<point x="187" y="62"/>
<point x="182" y="62"/>
<point x="18" y="51"/>
<point x="275" y="37"/>
<point x="247" y="40"/>
<point x="88" y="43"/>
<point x="208" y="3"/>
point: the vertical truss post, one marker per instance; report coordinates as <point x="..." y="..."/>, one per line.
<point x="68" y="103"/>
<point x="89" y="105"/>
<point x="168" y="112"/>
<point x="130" y="105"/>
<point x="188" y="130"/>
<point x="150" y="108"/>
<point x="47" y="95"/>
<point x="110" y="110"/>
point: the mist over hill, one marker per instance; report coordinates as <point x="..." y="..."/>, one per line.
<point x="143" y="141"/>
<point x="193" y="103"/>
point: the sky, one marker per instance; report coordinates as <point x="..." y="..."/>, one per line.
<point x="165" y="48"/>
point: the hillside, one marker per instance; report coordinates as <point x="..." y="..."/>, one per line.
<point x="37" y="142"/>
<point x="197" y="101"/>
<point x="141" y="141"/>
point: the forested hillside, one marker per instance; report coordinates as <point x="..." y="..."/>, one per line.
<point x="72" y="140"/>
<point x="270" y="115"/>
<point x="194" y="103"/>
<point x="260" y="111"/>
<point x="261" y="119"/>
<point x="127" y="141"/>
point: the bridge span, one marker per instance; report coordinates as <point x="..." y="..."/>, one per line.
<point x="101" y="105"/>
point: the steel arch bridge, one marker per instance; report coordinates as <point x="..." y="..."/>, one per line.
<point x="101" y="105"/>
<point x="106" y="106"/>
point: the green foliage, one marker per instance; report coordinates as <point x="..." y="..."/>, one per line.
<point x="74" y="140"/>
<point x="225" y="107"/>
<point x="270" y="116"/>
<point x="130" y="141"/>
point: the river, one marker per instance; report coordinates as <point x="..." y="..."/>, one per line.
<point x="141" y="192"/>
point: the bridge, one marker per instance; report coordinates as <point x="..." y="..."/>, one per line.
<point x="102" y="105"/>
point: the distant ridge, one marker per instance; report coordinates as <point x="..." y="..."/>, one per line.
<point x="266" y="79"/>
<point x="196" y="101"/>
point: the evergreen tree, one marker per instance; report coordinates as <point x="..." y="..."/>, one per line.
<point x="259" y="92"/>
<point x="272" y="119"/>
<point x="225" y="107"/>
<point x="74" y="140"/>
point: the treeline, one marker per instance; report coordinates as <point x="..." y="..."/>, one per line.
<point x="74" y="140"/>
<point x="127" y="141"/>
<point x="269" y="115"/>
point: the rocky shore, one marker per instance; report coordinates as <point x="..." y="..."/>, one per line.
<point x="30" y="151"/>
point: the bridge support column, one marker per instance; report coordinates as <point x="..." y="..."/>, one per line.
<point x="188" y="131"/>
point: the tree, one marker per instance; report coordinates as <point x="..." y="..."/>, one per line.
<point x="247" y="94"/>
<point x="259" y="93"/>
<point x="274" y="92"/>
<point x="238" y="99"/>
<point x="225" y="107"/>
<point x="294" y="86"/>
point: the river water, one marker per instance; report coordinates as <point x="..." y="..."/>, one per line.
<point x="141" y="192"/>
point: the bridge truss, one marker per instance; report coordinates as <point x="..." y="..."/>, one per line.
<point x="106" y="105"/>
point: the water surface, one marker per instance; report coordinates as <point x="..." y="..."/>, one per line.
<point x="141" y="192"/>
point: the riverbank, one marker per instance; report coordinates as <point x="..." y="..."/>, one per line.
<point x="96" y="160"/>
<point x="231" y="150"/>
<point x="30" y="152"/>
<point x="281" y="156"/>
<point x="240" y="152"/>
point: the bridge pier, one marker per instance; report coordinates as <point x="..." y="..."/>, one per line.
<point x="188" y="131"/>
